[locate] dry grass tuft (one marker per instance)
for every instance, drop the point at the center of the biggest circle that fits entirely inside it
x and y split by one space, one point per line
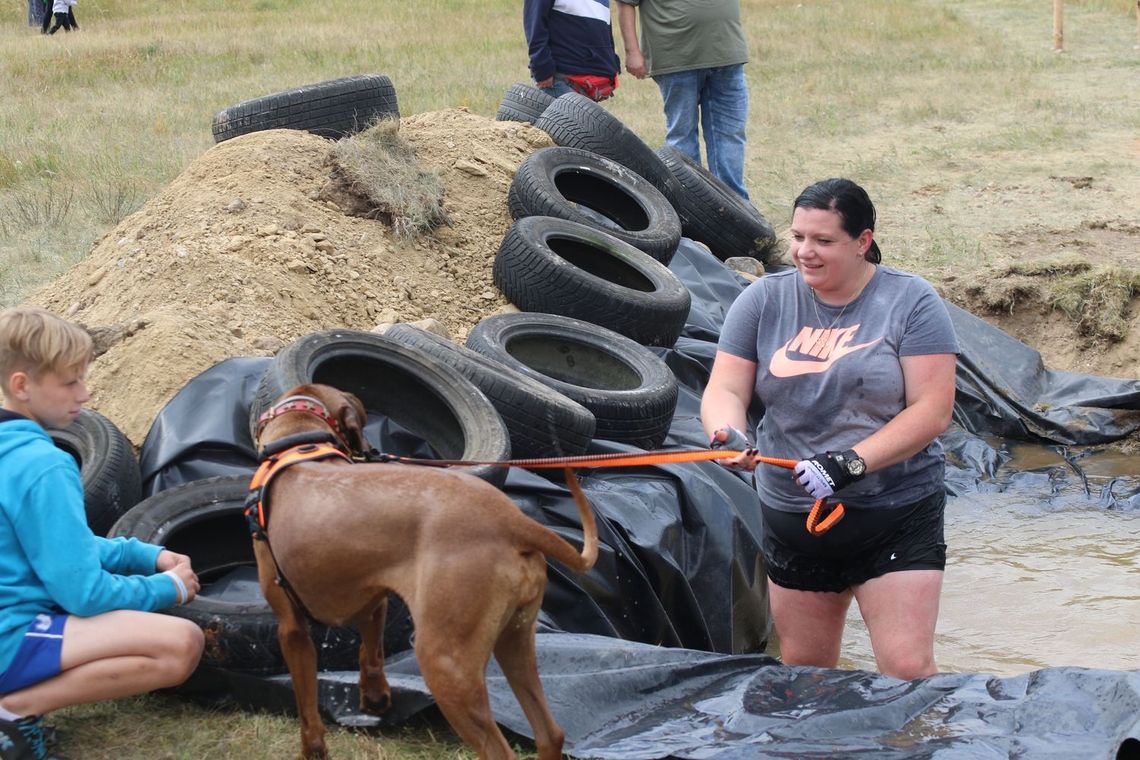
1098 300
380 167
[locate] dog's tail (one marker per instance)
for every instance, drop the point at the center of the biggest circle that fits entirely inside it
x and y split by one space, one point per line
564 552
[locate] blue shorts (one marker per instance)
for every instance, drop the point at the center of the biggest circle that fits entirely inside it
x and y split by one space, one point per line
37 659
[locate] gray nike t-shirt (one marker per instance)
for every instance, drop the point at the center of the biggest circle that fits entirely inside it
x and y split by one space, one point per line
827 380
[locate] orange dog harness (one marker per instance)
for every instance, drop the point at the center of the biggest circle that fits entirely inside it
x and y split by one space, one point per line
257 502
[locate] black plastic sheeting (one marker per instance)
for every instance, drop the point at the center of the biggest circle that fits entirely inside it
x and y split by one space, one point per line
680 568
625 701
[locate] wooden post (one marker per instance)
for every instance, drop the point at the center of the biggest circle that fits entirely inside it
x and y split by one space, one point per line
1058 26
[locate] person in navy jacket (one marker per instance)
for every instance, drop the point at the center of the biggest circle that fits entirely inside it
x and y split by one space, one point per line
571 40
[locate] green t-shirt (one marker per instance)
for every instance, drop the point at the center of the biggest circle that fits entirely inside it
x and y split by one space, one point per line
679 35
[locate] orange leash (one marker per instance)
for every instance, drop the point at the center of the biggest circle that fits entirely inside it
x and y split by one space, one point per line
819 520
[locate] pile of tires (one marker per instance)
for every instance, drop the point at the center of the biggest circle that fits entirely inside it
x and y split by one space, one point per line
598 218
430 398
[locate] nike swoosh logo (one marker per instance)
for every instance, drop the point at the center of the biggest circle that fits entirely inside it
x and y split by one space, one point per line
782 365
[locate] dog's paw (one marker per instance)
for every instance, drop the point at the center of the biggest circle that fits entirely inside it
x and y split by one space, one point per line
376 704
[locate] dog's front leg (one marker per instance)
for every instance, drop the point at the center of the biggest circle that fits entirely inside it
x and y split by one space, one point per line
299 653
375 693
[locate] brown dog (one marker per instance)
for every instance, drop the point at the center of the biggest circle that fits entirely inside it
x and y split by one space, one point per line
468 564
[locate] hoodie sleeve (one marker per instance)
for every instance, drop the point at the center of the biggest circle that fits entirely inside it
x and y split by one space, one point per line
70 560
536 15
127 556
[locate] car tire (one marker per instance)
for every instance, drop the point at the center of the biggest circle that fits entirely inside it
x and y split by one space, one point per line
556 266
427 397
575 121
711 212
541 422
575 184
333 109
524 103
631 391
108 468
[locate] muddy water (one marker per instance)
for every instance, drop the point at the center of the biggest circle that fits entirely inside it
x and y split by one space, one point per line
1036 578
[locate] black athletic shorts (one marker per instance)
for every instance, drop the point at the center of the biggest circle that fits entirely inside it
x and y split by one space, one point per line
865 544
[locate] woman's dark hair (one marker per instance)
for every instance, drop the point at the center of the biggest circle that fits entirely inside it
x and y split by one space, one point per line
851 202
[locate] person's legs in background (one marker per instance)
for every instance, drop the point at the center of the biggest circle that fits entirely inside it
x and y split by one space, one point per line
681 93
724 117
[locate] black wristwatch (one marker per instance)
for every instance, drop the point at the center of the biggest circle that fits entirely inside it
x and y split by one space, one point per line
851 463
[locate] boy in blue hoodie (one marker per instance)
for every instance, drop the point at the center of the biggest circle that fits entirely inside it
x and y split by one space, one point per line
76 610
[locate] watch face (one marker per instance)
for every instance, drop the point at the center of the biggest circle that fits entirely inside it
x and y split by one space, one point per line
856 466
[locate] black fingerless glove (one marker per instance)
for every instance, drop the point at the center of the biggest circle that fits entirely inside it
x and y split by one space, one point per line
734 440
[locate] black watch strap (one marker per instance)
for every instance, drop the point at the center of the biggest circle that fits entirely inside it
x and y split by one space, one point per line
851 463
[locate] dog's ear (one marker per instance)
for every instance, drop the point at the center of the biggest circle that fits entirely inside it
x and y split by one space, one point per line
352 416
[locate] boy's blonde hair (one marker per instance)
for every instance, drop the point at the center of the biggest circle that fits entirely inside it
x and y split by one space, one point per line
36 341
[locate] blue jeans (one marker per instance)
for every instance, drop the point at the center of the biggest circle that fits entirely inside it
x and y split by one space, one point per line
720 97
558 88
36 11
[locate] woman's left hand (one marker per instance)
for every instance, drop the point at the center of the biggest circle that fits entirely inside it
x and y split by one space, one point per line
821 475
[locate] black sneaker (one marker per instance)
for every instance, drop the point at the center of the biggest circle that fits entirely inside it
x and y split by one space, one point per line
13 745
32 728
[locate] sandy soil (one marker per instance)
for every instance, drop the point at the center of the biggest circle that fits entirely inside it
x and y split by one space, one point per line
245 252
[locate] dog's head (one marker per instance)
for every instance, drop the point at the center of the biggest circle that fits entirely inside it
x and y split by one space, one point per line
343 414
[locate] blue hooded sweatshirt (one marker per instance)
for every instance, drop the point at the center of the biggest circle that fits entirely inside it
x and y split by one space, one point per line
50 561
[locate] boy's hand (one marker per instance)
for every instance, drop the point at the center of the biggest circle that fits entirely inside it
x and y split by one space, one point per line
168 560
178 567
185 582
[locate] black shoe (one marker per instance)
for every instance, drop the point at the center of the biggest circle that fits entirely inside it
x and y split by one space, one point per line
13 744
37 736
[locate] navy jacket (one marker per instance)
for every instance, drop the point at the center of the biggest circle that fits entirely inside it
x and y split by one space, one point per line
569 37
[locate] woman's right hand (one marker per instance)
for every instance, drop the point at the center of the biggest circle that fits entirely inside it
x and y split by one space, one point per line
730 438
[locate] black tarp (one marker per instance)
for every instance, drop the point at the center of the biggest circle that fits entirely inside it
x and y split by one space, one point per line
679 567
623 700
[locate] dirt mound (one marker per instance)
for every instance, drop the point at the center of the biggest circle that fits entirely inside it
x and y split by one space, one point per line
243 253
1072 293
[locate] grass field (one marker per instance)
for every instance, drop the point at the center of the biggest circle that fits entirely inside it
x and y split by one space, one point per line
958 117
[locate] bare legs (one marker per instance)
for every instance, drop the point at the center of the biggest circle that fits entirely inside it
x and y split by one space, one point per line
114 655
